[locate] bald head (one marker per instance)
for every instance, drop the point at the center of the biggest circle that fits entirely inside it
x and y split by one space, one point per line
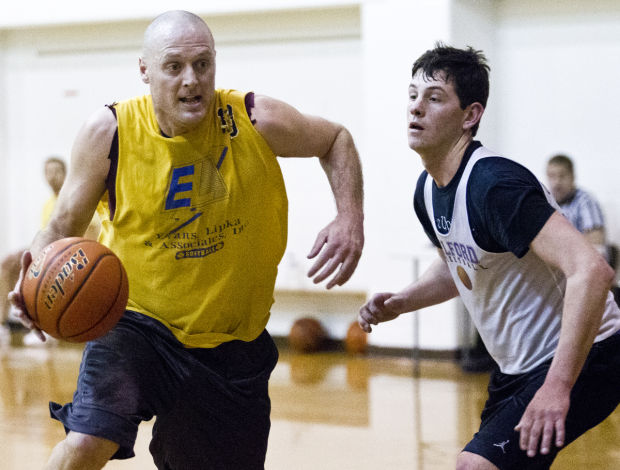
178 64
166 25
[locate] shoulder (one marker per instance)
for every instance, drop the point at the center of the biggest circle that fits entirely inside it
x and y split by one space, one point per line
498 169
94 140
270 113
141 103
101 124
290 133
491 175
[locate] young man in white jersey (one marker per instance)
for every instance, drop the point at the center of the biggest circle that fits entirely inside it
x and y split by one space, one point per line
194 202
537 290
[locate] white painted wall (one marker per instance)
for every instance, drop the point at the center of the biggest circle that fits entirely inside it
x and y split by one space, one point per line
3 148
393 37
54 79
554 87
28 13
557 87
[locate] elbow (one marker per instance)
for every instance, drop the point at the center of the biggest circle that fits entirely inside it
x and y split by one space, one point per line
611 275
602 273
338 139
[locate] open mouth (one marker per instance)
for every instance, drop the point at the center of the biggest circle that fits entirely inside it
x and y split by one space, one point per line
417 127
191 99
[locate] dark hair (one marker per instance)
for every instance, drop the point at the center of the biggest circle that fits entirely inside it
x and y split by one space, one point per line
467 69
562 160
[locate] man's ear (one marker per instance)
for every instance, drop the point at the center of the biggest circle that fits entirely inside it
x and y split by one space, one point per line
473 114
144 74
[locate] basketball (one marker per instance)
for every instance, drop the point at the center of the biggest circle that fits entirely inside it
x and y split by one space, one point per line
76 290
356 340
307 335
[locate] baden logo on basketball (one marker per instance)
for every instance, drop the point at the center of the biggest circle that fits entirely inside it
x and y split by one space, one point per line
77 290
77 260
464 277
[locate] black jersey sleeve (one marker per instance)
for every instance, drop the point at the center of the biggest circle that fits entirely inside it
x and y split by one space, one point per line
420 210
507 206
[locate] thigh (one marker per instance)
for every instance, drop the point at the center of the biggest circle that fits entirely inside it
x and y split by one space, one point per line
220 419
210 429
596 393
595 396
496 440
123 380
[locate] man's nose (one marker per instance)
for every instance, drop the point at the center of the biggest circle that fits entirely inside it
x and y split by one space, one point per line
415 107
189 76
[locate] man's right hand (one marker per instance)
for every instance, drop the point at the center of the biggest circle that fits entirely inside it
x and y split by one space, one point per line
18 307
381 307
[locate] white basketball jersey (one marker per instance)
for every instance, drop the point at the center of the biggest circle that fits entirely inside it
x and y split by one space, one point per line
515 303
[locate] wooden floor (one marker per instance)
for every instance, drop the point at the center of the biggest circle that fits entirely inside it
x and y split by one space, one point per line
330 411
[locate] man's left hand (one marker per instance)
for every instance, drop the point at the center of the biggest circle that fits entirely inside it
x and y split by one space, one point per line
338 247
543 419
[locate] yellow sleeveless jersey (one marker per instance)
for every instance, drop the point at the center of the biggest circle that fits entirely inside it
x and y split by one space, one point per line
199 221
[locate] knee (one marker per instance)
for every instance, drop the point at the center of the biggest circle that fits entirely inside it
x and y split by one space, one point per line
471 461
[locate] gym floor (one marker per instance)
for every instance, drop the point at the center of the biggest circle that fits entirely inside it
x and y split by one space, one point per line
331 410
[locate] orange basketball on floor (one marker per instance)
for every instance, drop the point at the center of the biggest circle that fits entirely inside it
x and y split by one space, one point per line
307 335
76 289
356 341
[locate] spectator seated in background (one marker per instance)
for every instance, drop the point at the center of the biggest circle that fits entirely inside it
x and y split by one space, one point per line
580 207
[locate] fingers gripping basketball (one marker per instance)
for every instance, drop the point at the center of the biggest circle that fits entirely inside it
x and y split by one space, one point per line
76 289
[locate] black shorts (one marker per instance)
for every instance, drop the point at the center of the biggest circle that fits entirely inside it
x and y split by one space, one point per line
595 396
211 405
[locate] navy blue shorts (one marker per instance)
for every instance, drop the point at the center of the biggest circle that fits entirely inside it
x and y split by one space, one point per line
595 396
211 405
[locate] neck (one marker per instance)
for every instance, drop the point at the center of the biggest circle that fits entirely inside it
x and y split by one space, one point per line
443 163
172 129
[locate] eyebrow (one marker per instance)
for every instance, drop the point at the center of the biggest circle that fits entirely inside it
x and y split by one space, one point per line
431 88
173 55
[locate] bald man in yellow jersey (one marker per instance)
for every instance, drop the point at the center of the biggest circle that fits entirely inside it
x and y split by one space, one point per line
192 199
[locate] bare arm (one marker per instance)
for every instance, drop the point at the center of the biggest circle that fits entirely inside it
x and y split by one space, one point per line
78 198
588 279
290 133
434 286
85 183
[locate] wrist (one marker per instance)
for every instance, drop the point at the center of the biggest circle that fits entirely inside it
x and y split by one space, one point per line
559 383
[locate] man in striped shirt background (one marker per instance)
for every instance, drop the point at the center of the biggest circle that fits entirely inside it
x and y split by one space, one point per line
580 207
